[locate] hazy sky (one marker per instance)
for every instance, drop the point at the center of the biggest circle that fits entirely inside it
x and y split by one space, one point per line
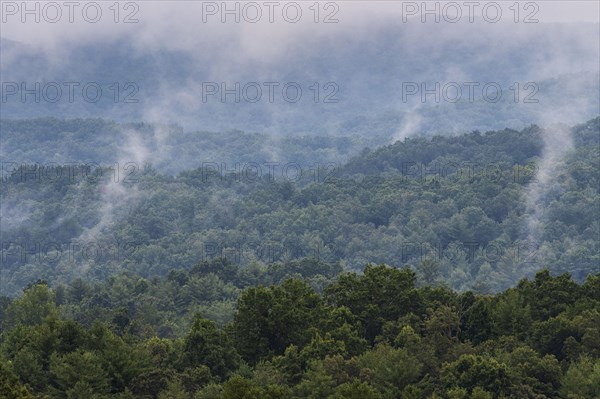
287 34
174 20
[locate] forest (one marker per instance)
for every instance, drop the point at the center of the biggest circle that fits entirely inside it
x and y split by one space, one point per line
376 334
419 269
300 199
467 206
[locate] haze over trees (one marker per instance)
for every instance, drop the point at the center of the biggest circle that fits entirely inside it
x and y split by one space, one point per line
213 283
328 200
455 209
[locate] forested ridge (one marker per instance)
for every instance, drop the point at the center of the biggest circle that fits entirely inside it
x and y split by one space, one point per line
464 203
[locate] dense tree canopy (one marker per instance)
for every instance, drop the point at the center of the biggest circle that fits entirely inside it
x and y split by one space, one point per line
370 335
422 269
461 211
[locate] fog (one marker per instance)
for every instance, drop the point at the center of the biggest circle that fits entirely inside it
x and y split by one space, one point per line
352 60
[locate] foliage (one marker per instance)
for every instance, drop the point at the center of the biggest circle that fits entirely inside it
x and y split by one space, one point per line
370 335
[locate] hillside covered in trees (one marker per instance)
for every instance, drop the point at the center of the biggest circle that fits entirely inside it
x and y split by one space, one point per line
127 281
462 211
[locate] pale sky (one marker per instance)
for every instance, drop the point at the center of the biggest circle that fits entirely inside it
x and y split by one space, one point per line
162 18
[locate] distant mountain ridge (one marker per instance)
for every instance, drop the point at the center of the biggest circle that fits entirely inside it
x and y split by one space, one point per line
369 75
